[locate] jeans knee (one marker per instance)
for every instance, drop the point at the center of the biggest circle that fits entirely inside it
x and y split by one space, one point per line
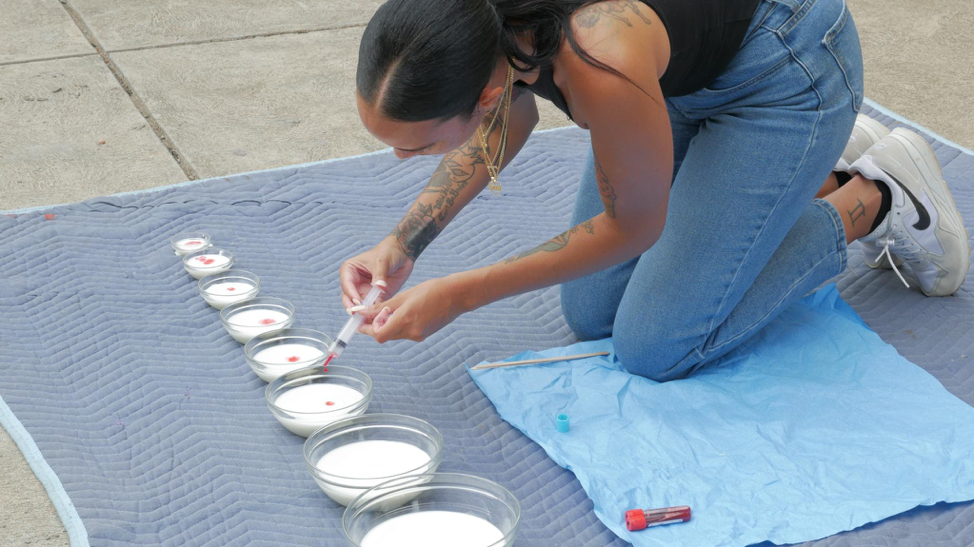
653 351
582 313
638 358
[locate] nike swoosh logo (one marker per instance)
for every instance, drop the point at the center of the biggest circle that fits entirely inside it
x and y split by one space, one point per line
924 221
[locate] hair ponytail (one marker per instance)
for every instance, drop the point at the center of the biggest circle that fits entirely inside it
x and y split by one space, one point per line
430 59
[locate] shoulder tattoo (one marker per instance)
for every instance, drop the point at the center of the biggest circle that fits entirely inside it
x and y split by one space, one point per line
618 10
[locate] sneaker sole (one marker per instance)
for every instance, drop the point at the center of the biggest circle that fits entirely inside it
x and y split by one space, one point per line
936 186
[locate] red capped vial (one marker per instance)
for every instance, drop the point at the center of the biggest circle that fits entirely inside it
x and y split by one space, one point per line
640 519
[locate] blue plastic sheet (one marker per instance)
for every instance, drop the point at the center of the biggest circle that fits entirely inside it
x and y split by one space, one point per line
813 427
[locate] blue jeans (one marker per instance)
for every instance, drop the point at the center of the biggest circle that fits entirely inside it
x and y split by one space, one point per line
744 235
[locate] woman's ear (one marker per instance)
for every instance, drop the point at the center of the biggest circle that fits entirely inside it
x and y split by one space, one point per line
489 97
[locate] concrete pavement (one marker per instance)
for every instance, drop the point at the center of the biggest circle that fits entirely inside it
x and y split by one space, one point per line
101 96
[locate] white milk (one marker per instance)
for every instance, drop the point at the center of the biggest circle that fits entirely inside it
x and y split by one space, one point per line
190 245
283 358
221 295
366 464
316 405
201 266
247 324
433 529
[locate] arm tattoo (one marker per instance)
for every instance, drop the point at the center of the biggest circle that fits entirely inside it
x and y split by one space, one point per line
452 176
588 16
558 243
416 230
859 211
605 189
457 168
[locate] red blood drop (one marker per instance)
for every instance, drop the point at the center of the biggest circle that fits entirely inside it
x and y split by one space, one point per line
209 261
293 359
267 321
49 216
201 258
231 289
330 403
194 243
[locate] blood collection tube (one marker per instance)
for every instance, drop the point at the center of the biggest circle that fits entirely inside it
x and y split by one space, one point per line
640 519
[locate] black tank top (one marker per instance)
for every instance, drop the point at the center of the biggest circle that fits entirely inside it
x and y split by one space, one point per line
704 36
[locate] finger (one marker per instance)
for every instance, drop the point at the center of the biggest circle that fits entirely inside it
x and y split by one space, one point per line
363 289
393 303
384 295
386 327
379 320
366 328
376 306
350 275
380 272
382 318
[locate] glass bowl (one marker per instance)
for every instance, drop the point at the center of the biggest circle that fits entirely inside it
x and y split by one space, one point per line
252 318
279 352
353 455
200 264
308 399
189 242
230 287
433 510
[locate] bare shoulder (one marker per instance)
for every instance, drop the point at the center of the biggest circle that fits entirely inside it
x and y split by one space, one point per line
621 33
623 55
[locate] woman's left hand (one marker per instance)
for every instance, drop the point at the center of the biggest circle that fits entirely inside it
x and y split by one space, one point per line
417 313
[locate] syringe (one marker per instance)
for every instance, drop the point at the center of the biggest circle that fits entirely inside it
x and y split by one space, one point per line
351 327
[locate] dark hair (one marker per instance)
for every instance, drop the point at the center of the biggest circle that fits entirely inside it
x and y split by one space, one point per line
430 59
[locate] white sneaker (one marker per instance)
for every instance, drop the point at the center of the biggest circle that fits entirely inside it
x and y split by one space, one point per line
923 226
866 133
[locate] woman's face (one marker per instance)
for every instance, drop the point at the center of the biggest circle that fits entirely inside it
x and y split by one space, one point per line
431 137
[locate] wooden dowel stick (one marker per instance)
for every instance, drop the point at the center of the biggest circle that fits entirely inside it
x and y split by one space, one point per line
539 361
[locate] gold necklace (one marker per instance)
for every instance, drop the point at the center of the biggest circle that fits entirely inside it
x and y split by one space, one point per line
495 164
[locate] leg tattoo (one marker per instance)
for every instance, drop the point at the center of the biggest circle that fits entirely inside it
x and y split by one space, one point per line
857 213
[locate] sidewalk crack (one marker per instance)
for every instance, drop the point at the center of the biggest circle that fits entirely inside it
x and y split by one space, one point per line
137 101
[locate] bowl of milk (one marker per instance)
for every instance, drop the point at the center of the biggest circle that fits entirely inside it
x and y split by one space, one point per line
307 399
210 261
434 510
256 317
222 290
283 351
190 242
351 456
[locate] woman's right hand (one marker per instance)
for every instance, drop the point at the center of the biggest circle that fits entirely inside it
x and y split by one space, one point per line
384 263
